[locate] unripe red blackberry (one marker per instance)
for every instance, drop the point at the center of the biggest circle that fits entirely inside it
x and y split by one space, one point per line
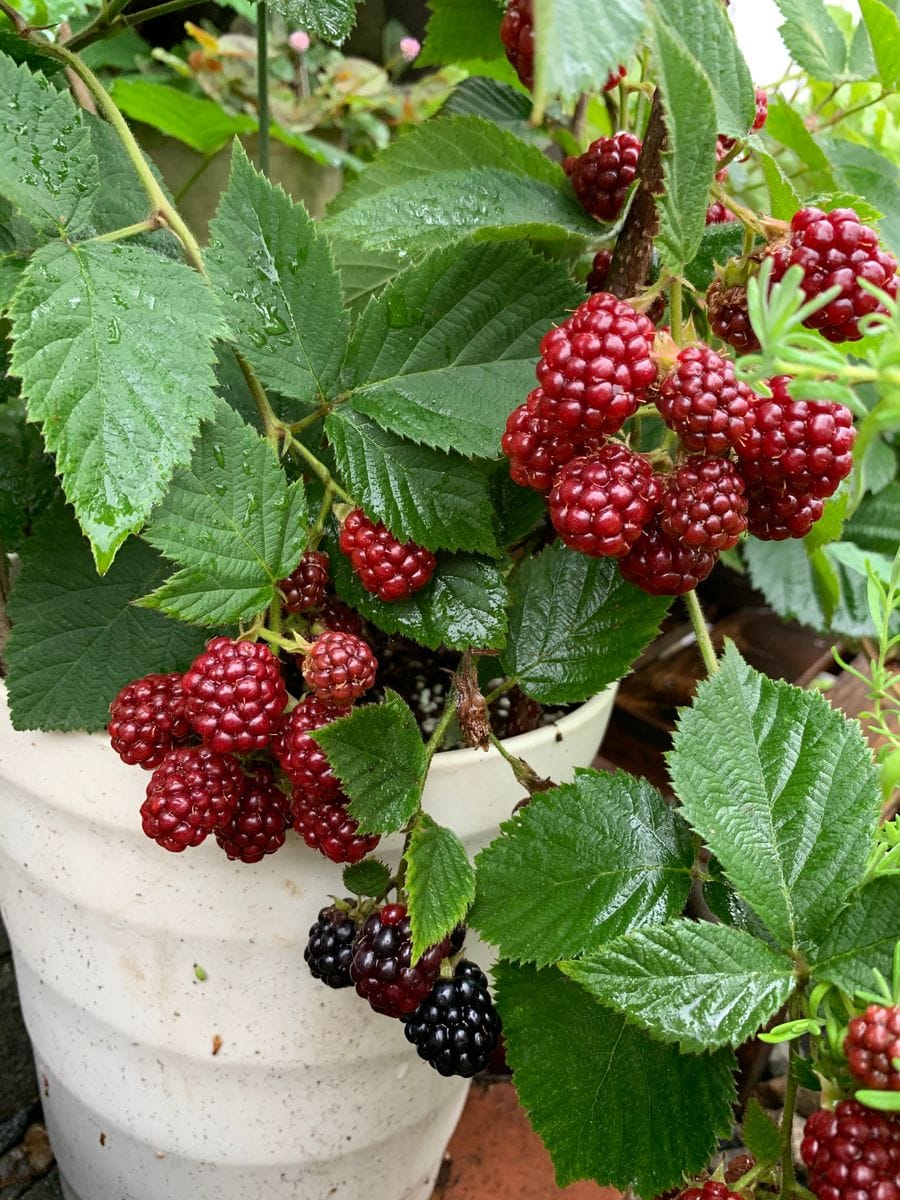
615 78
700 398
872 1046
804 444
329 828
836 249
190 793
775 514
147 720
596 279
852 1153
305 586
662 567
718 214
602 175
517 36
711 1189
257 825
601 503
703 505
329 951
234 695
595 367
762 110
302 758
385 566
536 452
729 317
382 970
456 1029
334 614
339 668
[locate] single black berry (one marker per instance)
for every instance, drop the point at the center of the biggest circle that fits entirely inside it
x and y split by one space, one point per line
457 1028
329 951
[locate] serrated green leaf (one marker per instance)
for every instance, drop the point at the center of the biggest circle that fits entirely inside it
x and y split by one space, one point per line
863 170
367 878
448 349
690 156
460 31
440 883
113 345
579 866
704 29
783 198
281 291
31 53
196 121
813 38
783 790
517 510
785 123
17 240
861 939
760 1134
828 201
231 522
27 482
861 61
575 625
884 34
378 755
453 177
610 1103
77 638
438 500
364 270
119 53
476 96
464 605
693 983
876 523
122 201
328 19
577 45
47 165
718 244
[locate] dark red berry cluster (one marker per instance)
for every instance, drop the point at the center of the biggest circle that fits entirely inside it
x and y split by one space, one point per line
602 175
852 1153
226 749
385 566
442 999
872 1047
744 461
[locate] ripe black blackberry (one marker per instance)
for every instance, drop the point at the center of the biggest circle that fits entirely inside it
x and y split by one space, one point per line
457 1028
329 951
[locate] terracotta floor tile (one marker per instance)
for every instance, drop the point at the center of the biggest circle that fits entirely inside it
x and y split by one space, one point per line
495 1155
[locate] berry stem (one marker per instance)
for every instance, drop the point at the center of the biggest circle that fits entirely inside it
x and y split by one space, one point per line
523 771
701 632
320 471
676 319
501 689
437 737
634 246
264 408
788 1182
127 231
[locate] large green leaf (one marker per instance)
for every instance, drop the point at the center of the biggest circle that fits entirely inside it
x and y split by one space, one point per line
448 349
329 19
577 45
506 106
77 638
876 523
704 29
364 270
785 123
691 982
783 790
575 625
27 482
438 500
113 345
463 605
864 171
813 38
440 882
609 1102
378 754
47 164
232 523
690 156
581 865
199 123
122 200
861 939
783 198
453 177
281 291
462 31
17 239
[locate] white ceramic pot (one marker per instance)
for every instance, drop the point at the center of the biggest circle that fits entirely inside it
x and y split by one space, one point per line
311 1095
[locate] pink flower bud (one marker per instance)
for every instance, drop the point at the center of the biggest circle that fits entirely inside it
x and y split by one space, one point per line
299 41
410 47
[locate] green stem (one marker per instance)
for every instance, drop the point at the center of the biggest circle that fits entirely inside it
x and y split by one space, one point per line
262 82
320 471
848 112
506 686
787 1118
675 311
305 422
161 203
435 741
704 641
264 408
109 22
127 231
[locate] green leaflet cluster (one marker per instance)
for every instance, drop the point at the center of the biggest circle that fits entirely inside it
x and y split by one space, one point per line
609 996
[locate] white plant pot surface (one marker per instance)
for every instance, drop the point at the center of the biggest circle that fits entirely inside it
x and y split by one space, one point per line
311 1095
